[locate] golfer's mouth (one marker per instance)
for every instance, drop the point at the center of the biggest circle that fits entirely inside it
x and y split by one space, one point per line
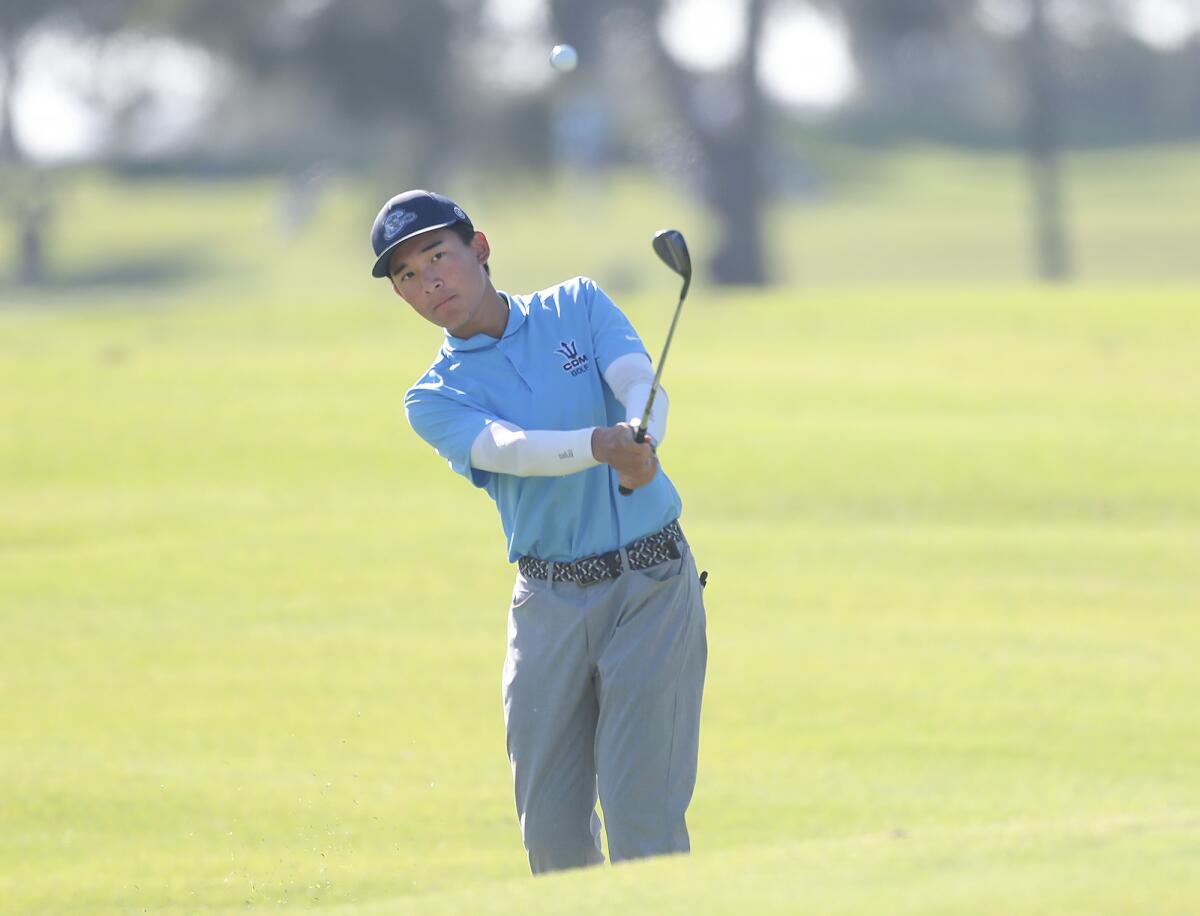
443 302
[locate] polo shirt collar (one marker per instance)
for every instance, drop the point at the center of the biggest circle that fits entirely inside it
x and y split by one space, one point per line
517 312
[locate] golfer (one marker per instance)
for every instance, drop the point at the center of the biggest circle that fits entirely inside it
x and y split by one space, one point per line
533 398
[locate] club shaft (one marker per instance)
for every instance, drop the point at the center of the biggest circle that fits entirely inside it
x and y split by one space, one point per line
662 361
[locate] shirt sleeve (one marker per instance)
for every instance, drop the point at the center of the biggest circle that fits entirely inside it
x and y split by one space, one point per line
508 449
450 426
631 377
612 334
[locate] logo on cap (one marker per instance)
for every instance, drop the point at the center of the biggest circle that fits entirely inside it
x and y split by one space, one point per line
394 223
458 211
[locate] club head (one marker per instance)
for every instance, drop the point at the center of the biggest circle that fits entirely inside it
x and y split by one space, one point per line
673 251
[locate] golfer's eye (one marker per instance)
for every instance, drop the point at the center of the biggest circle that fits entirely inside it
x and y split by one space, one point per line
406 276
437 256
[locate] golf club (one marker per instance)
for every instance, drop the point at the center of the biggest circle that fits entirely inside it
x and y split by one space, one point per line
672 250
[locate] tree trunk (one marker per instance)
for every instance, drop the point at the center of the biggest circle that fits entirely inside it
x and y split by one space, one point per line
729 136
735 181
8 73
31 256
29 200
1053 258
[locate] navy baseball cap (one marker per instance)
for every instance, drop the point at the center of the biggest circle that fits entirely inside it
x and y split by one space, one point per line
409 214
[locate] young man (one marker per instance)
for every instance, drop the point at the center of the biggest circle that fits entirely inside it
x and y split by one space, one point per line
534 398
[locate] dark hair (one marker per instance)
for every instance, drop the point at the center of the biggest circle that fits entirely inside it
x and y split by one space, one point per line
466 232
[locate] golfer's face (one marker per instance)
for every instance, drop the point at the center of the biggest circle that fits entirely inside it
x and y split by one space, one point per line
441 277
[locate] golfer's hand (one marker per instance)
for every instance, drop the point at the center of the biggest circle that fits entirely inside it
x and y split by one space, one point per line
635 463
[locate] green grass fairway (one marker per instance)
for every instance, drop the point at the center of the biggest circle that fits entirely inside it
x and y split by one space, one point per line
251 629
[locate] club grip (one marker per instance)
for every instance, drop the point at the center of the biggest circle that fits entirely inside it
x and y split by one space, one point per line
639 437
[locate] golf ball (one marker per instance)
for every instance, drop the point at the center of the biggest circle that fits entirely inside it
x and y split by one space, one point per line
563 58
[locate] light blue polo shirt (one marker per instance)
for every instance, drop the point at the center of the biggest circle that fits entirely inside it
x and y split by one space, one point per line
544 373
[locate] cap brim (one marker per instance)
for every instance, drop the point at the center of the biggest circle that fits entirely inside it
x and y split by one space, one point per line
381 263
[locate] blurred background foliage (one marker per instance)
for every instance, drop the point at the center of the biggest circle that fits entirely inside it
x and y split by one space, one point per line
456 94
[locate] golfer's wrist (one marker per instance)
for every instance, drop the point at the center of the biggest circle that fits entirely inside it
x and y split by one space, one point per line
600 444
606 442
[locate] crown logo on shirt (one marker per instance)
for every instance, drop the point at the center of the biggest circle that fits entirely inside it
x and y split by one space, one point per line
576 363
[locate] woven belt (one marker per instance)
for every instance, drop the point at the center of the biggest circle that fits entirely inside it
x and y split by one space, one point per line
649 551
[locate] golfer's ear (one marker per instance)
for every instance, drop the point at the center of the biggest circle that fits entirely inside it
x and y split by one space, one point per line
481 247
396 289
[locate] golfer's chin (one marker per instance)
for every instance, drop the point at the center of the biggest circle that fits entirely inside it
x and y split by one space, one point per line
449 317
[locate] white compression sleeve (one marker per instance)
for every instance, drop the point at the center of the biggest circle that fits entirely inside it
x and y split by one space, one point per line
508 449
630 377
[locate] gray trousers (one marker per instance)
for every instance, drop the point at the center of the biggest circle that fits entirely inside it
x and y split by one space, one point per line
602 687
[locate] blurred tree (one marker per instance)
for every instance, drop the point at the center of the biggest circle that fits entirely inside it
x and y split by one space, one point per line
914 58
345 71
924 68
1043 141
25 186
17 19
27 208
910 57
22 19
1115 87
381 81
732 147
908 52
724 115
